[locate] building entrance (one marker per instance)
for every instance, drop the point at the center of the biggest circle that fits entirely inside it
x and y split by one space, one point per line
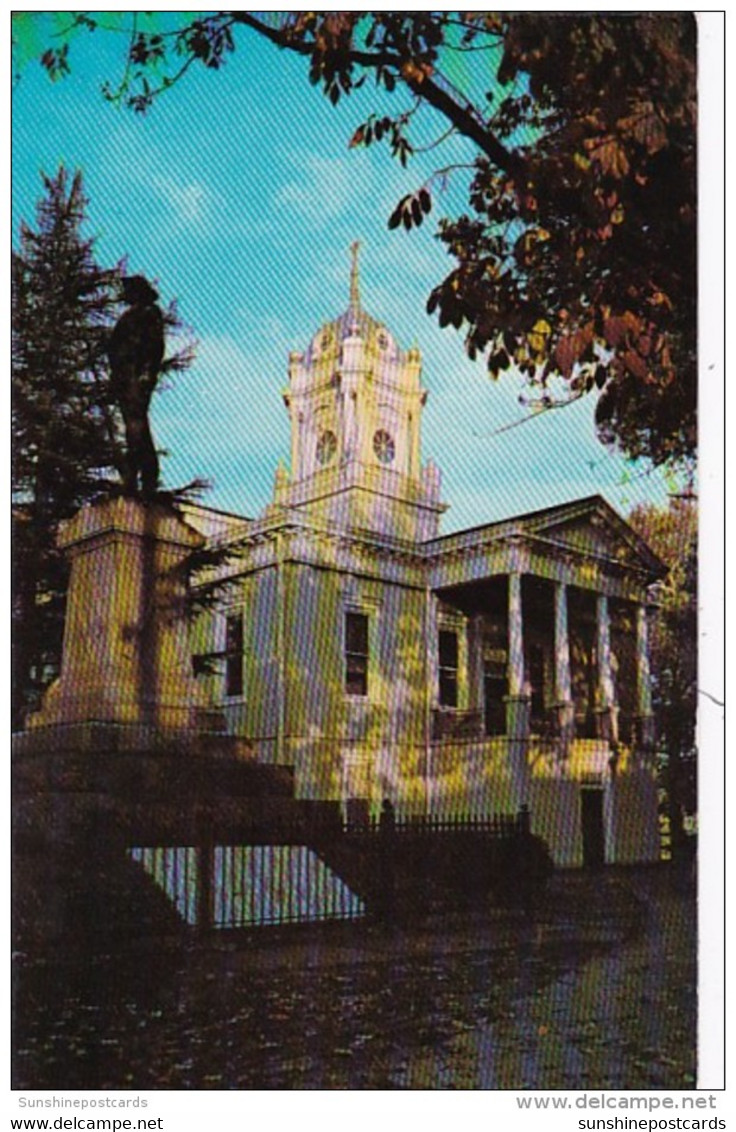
594 845
495 690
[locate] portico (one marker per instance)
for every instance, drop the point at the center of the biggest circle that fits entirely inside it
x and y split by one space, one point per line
550 644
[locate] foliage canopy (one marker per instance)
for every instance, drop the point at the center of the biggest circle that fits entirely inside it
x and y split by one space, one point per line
575 260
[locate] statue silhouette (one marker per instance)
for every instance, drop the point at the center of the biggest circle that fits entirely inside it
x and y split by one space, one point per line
136 350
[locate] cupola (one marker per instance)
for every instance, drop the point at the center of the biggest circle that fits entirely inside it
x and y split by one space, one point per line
355 400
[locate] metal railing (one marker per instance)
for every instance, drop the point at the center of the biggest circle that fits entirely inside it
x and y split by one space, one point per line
238 886
411 825
276 880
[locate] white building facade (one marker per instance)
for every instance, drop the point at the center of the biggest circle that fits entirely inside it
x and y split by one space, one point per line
473 673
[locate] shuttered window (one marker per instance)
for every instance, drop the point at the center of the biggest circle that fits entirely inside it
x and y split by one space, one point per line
356 654
448 667
234 655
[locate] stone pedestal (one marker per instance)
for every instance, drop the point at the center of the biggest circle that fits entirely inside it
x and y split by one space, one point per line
126 662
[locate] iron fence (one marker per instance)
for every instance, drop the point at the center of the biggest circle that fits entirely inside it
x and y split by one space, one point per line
277 884
494 825
237 886
281 875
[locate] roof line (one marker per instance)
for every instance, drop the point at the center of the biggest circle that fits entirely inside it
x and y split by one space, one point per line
218 510
586 499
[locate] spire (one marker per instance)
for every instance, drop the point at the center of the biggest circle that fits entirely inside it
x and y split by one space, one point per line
354 276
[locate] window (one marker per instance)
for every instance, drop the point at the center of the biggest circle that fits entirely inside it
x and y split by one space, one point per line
448 668
356 654
326 447
384 447
234 655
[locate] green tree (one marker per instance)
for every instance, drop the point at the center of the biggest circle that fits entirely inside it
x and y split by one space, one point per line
65 440
672 534
576 258
67 428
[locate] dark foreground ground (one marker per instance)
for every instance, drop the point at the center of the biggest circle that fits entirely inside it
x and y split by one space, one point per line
596 988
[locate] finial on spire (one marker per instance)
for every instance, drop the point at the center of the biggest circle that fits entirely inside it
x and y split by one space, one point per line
354 275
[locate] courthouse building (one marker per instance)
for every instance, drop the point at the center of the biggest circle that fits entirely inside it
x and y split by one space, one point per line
455 674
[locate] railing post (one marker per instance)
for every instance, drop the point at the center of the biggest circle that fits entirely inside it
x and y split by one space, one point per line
205 893
387 849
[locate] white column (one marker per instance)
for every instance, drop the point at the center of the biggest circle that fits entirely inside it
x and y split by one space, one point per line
475 663
518 702
605 673
563 682
516 638
563 686
644 682
643 672
606 689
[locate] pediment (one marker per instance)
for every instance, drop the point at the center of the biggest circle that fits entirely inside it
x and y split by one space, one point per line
592 539
596 529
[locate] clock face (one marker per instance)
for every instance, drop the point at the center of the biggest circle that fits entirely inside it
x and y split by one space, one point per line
383 446
326 447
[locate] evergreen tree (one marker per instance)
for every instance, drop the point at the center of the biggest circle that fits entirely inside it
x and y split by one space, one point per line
66 440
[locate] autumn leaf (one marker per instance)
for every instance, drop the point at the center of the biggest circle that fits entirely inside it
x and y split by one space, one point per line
539 337
610 155
616 328
635 364
412 72
646 127
570 349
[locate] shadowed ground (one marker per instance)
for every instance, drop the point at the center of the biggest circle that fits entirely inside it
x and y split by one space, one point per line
596 988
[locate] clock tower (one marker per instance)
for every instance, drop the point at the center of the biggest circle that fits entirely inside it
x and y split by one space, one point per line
355 400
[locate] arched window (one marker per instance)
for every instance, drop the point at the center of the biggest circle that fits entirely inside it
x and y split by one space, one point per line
384 447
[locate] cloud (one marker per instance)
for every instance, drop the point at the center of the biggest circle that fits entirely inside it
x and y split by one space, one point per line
189 201
224 421
323 188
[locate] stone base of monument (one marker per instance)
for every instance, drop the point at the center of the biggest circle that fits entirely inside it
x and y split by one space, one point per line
97 737
126 753
126 680
78 822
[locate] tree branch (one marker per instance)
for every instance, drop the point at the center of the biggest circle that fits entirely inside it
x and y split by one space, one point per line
464 120
533 416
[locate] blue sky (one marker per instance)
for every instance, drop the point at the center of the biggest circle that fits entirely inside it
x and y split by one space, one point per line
239 195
